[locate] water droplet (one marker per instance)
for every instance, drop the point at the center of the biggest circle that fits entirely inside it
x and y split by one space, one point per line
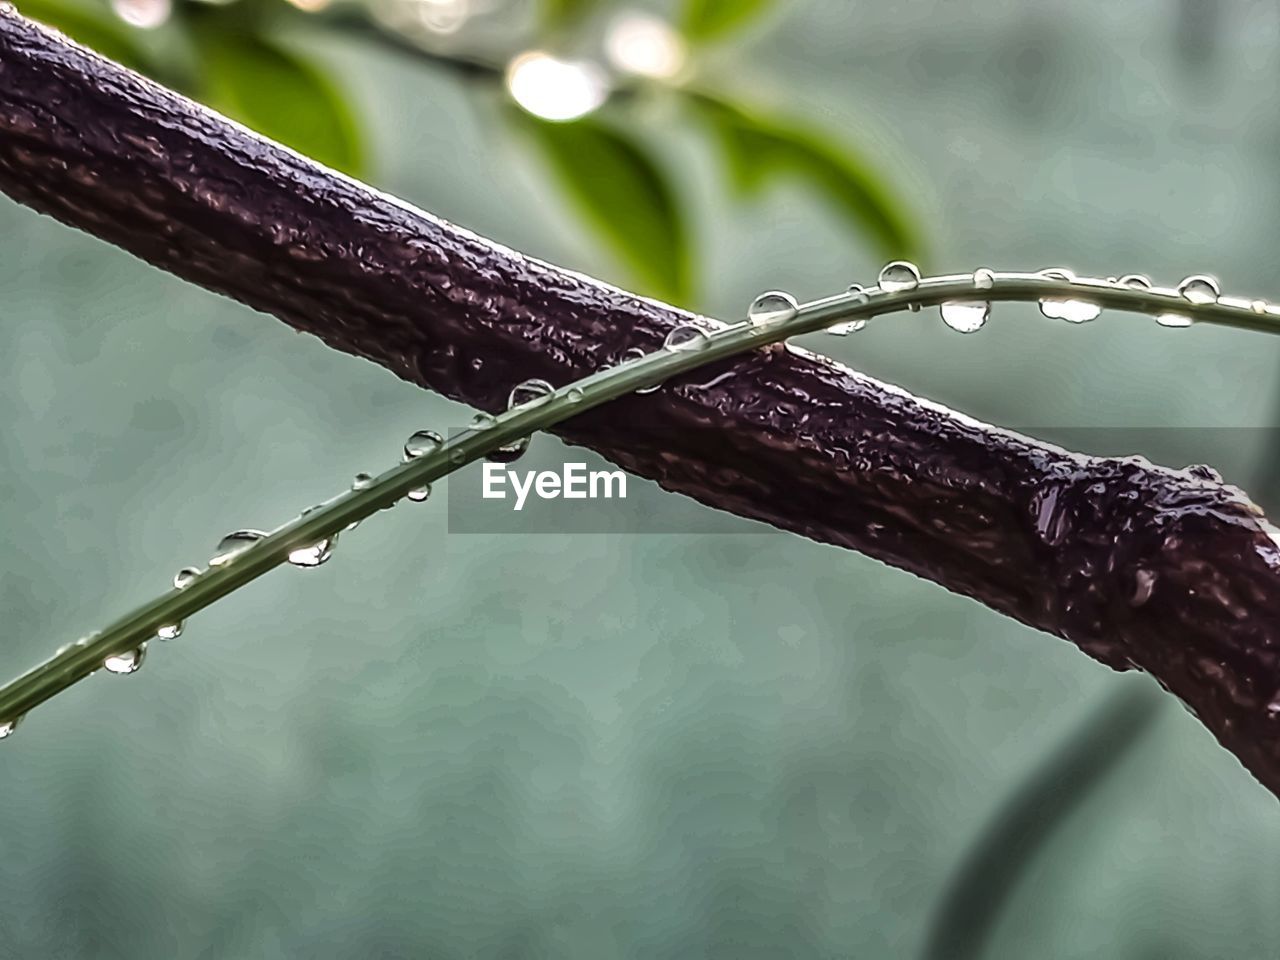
1173 320
184 577
125 663
170 631
686 338
8 726
984 279
234 544
313 554
457 455
1199 289
846 327
574 395
965 316
531 393
419 494
483 421
1057 273
1135 281
1258 306
362 481
418 445
508 452
899 275
1073 311
772 307
637 353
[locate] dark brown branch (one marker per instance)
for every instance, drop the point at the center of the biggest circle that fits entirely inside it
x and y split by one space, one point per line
1136 565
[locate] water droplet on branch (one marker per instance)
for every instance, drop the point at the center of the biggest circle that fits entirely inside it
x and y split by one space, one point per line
125 663
1135 281
1073 311
234 544
772 307
1199 289
965 316
418 445
899 275
170 631
984 279
7 727
419 494
313 555
185 577
686 338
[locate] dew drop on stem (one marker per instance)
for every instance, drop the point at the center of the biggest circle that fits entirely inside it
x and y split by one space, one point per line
418 445
638 353
125 663
1199 289
234 544
686 338
419 494
1073 311
1135 281
185 577
530 393
898 276
363 481
965 316
7 727
171 631
314 554
771 308
984 278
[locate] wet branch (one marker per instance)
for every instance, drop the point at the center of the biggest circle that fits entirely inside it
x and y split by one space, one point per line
1136 565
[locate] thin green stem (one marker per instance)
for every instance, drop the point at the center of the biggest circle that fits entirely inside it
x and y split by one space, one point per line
132 631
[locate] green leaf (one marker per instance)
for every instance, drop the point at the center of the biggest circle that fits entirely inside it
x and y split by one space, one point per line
623 195
709 20
560 13
279 94
101 33
758 151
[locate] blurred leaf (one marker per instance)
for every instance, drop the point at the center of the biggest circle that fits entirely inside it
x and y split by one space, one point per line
1027 819
623 195
708 20
558 13
100 32
758 150
279 94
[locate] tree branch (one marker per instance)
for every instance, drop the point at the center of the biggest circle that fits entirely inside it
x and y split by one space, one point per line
1135 564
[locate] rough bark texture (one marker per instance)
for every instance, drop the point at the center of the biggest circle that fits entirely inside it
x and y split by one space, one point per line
1136 565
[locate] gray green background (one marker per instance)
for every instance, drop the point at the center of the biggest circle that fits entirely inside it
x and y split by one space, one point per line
738 746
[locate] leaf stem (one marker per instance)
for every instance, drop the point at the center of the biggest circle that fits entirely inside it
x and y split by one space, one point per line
83 658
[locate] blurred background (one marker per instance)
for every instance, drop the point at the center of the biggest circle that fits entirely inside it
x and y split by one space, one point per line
739 745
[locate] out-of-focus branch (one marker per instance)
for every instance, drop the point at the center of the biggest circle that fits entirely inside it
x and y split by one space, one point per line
1137 565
